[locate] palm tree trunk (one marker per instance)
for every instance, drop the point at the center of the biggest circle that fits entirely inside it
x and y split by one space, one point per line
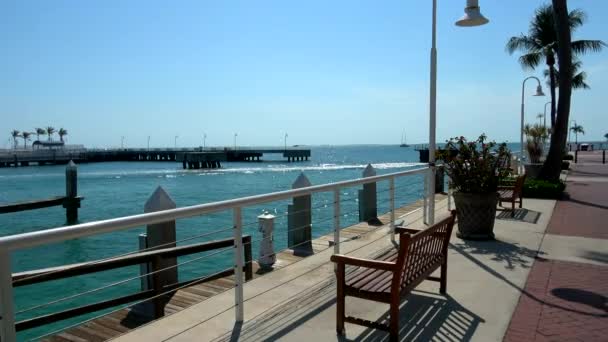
552 167
552 86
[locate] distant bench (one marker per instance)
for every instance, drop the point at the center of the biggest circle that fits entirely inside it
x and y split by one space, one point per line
395 273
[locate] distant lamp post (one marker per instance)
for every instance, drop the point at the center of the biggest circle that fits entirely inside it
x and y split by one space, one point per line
148 143
539 92
177 136
204 141
235 135
286 141
472 17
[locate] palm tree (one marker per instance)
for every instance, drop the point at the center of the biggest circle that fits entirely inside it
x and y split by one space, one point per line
49 131
606 136
540 117
62 132
39 132
15 134
26 137
579 80
576 129
541 43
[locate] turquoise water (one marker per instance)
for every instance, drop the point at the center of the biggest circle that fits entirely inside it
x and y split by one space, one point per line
122 188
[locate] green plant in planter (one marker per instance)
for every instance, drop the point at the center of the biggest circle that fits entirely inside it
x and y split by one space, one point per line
475 173
536 135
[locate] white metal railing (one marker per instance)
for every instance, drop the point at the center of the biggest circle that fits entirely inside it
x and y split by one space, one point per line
9 244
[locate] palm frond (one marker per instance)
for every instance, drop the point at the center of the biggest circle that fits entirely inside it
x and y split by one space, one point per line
584 46
577 18
578 81
530 60
523 43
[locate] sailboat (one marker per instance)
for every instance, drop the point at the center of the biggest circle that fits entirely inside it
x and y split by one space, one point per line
403 141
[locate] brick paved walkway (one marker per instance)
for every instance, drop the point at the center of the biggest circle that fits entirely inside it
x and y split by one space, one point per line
568 301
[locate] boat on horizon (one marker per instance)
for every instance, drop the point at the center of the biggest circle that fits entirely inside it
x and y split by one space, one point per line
403 140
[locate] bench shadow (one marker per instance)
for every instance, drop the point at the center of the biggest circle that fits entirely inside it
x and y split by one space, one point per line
427 317
521 215
596 256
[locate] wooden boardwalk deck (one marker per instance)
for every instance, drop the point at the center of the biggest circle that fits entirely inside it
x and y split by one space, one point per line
122 321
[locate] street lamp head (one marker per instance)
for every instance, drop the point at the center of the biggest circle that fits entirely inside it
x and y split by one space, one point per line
472 15
539 91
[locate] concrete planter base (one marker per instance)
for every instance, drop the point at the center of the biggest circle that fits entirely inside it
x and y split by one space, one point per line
533 170
476 214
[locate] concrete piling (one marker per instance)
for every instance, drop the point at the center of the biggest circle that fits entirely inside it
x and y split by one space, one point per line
162 235
299 220
72 201
368 205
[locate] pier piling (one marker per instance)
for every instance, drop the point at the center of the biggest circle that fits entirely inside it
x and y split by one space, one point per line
299 220
71 203
368 206
161 234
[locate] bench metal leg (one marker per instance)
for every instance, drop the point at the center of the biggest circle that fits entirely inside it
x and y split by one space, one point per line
513 208
340 301
443 285
394 324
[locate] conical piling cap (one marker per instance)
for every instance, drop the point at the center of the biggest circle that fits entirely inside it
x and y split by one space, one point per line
160 200
301 182
369 171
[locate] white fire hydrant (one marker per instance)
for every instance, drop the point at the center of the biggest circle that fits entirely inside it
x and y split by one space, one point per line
267 257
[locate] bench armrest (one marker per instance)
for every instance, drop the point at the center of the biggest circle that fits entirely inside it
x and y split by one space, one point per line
400 230
375 264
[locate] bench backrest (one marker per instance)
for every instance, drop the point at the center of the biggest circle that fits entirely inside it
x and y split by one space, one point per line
420 254
518 187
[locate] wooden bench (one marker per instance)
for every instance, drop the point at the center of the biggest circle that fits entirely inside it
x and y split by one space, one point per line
395 273
513 193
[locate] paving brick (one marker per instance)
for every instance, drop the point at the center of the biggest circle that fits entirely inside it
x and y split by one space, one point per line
571 307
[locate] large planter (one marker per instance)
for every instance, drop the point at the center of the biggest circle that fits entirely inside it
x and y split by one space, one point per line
476 215
533 170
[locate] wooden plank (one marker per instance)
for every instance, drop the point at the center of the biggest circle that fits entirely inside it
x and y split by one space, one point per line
30 205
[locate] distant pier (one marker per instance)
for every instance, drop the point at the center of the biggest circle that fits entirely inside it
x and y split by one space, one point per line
191 158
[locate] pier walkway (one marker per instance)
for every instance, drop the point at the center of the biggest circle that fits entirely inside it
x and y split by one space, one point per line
189 156
122 321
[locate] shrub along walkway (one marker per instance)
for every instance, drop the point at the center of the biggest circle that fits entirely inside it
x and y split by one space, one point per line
565 297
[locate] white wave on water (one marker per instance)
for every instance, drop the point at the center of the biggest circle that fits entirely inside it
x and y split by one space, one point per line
172 173
321 167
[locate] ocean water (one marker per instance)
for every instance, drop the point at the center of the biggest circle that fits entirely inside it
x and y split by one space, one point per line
121 188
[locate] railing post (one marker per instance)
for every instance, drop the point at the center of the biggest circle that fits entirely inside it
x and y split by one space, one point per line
336 221
449 195
7 310
425 198
391 187
238 263
603 156
145 267
576 155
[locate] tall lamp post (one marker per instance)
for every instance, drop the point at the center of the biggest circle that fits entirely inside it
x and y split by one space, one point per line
204 141
285 141
539 92
472 17
176 140
545 119
148 143
235 135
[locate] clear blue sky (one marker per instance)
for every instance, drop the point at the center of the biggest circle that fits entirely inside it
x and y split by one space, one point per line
325 72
